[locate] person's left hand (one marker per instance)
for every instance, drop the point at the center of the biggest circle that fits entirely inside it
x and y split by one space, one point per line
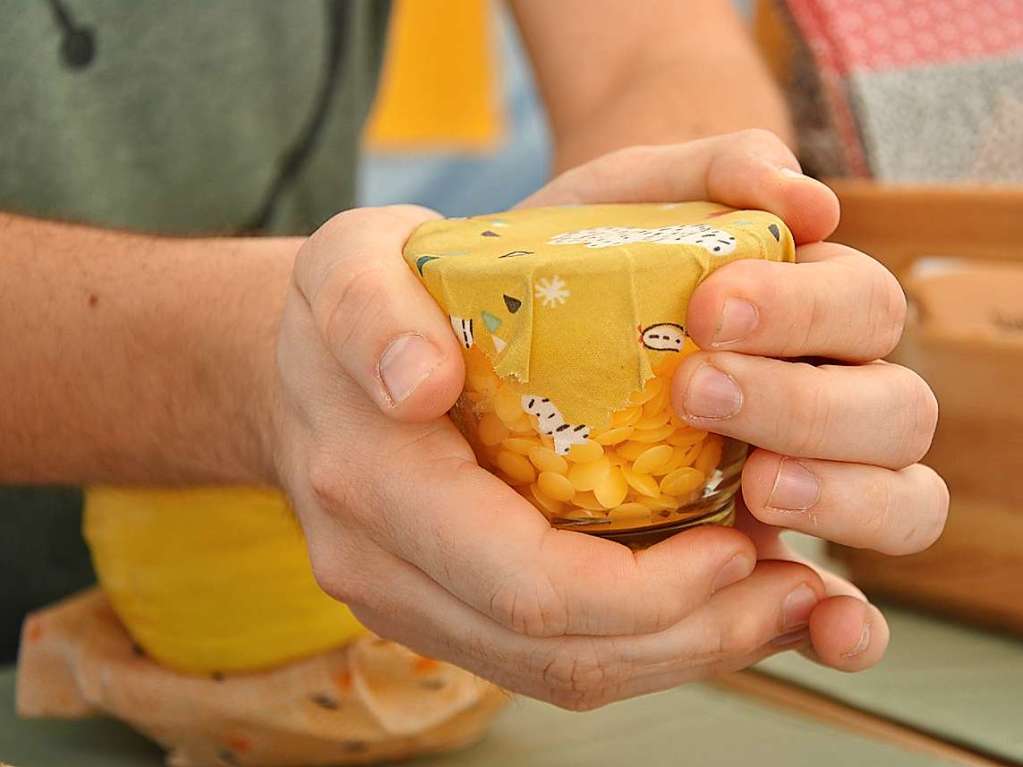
838 443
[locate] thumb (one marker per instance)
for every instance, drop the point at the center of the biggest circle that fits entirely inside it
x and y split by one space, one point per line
376 318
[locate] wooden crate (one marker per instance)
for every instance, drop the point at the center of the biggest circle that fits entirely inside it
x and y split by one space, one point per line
965 336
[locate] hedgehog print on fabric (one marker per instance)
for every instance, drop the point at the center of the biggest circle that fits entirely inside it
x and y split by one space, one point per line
711 239
664 337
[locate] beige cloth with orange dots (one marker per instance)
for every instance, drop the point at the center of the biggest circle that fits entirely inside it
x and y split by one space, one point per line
579 304
368 701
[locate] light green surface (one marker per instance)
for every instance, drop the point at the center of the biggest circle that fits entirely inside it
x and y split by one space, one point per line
958 682
695 725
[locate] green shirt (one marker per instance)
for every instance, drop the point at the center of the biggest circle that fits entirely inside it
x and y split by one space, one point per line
178 117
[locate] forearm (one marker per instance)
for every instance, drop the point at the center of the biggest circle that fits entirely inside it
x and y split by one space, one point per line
128 358
615 73
690 99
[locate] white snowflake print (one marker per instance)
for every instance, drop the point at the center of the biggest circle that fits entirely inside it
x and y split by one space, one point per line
553 291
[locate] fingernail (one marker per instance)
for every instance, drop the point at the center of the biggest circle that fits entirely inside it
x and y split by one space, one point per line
795 610
406 363
792 637
861 645
792 173
795 487
737 568
738 320
712 394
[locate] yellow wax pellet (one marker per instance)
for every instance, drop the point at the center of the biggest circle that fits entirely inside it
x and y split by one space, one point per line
491 431
507 405
586 476
491 451
659 502
549 506
655 421
545 459
630 451
627 417
650 390
613 436
658 402
612 489
643 484
555 486
666 368
521 425
710 455
520 445
652 435
682 481
685 437
630 512
585 452
483 382
517 468
680 456
588 501
651 458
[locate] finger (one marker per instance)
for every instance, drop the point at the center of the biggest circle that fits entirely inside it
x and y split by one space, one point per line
868 507
836 302
378 321
742 624
848 634
749 169
876 414
481 541
768 612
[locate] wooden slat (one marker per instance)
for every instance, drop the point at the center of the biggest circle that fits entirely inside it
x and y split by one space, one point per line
776 692
901 223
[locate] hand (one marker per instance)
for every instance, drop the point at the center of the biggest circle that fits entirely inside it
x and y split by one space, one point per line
838 444
434 552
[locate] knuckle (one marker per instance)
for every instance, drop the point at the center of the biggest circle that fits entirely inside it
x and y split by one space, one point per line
938 512
922 416
888 308
738 637
327 481
879 505
532 608
578 678
338 576
758 140
813 421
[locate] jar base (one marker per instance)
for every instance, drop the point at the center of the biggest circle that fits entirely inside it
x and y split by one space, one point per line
648 536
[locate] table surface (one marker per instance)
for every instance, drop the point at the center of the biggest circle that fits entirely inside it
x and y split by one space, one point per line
691 725
957 682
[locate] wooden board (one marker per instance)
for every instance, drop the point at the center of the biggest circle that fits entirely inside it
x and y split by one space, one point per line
965 337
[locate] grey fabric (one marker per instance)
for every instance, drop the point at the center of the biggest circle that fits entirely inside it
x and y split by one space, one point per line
185 114
957 122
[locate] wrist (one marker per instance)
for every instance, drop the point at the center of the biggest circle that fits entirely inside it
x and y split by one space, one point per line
252 389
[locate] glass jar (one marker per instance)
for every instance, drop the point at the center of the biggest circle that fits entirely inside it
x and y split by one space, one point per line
643 477
570 320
